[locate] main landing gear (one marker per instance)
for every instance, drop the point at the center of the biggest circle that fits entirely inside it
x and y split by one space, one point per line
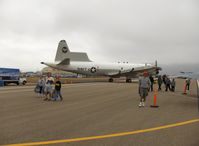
110 80
128 80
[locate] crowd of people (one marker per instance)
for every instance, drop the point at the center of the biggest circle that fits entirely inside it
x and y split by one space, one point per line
49 88
146 83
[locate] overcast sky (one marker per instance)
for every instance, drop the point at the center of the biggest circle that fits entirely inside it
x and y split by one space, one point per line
136 31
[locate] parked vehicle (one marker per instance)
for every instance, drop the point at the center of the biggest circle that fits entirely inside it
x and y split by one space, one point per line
11 75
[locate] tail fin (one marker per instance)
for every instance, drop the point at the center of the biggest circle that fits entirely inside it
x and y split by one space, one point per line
63 53
62 50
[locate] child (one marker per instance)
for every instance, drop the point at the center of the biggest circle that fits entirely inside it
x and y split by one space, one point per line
57 90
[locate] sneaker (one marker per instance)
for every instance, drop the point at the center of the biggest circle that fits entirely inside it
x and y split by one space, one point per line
140 104
143 104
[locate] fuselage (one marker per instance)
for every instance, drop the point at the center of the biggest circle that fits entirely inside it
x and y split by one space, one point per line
79 62
96 69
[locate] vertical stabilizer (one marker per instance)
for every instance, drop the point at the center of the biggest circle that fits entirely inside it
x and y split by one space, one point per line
62 51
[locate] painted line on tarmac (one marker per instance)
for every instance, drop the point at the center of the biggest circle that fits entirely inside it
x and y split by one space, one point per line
105 136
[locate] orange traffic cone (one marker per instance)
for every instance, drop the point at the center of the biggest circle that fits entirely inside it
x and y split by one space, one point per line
155 100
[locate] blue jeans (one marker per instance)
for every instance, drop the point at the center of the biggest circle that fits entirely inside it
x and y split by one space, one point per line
58 94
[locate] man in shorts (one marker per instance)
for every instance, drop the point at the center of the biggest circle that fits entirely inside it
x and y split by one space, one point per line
144 85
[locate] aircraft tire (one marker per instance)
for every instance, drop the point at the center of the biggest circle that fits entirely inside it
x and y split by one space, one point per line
110 80
128 81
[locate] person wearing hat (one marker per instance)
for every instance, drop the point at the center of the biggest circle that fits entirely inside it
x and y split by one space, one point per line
144 85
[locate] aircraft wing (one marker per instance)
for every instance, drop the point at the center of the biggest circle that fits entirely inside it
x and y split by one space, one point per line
135 72
150 69
120 73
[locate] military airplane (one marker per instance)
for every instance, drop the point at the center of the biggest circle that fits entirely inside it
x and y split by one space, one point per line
78 62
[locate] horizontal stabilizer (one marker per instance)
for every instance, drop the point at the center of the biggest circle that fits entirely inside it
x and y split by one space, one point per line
65 62
78 56
118 73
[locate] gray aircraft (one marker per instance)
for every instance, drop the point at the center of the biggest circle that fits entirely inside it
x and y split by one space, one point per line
78 62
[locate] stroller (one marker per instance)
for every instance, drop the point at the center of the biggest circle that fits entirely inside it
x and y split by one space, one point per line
54 95
37 88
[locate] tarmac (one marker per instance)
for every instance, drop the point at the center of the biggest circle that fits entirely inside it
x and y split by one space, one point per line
99 114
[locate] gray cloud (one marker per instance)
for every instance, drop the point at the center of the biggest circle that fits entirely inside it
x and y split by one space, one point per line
109 30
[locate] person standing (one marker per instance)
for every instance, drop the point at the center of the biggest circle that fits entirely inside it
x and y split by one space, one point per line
188 82
164 80
144 85
48 87
152 81
168 83
159 82
58 89
39 86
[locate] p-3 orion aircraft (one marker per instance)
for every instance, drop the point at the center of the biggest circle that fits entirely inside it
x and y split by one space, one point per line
78 62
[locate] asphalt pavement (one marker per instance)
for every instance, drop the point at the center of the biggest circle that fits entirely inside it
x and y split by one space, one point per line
99 114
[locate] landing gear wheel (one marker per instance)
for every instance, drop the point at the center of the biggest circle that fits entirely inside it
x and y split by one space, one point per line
110 80
128 80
